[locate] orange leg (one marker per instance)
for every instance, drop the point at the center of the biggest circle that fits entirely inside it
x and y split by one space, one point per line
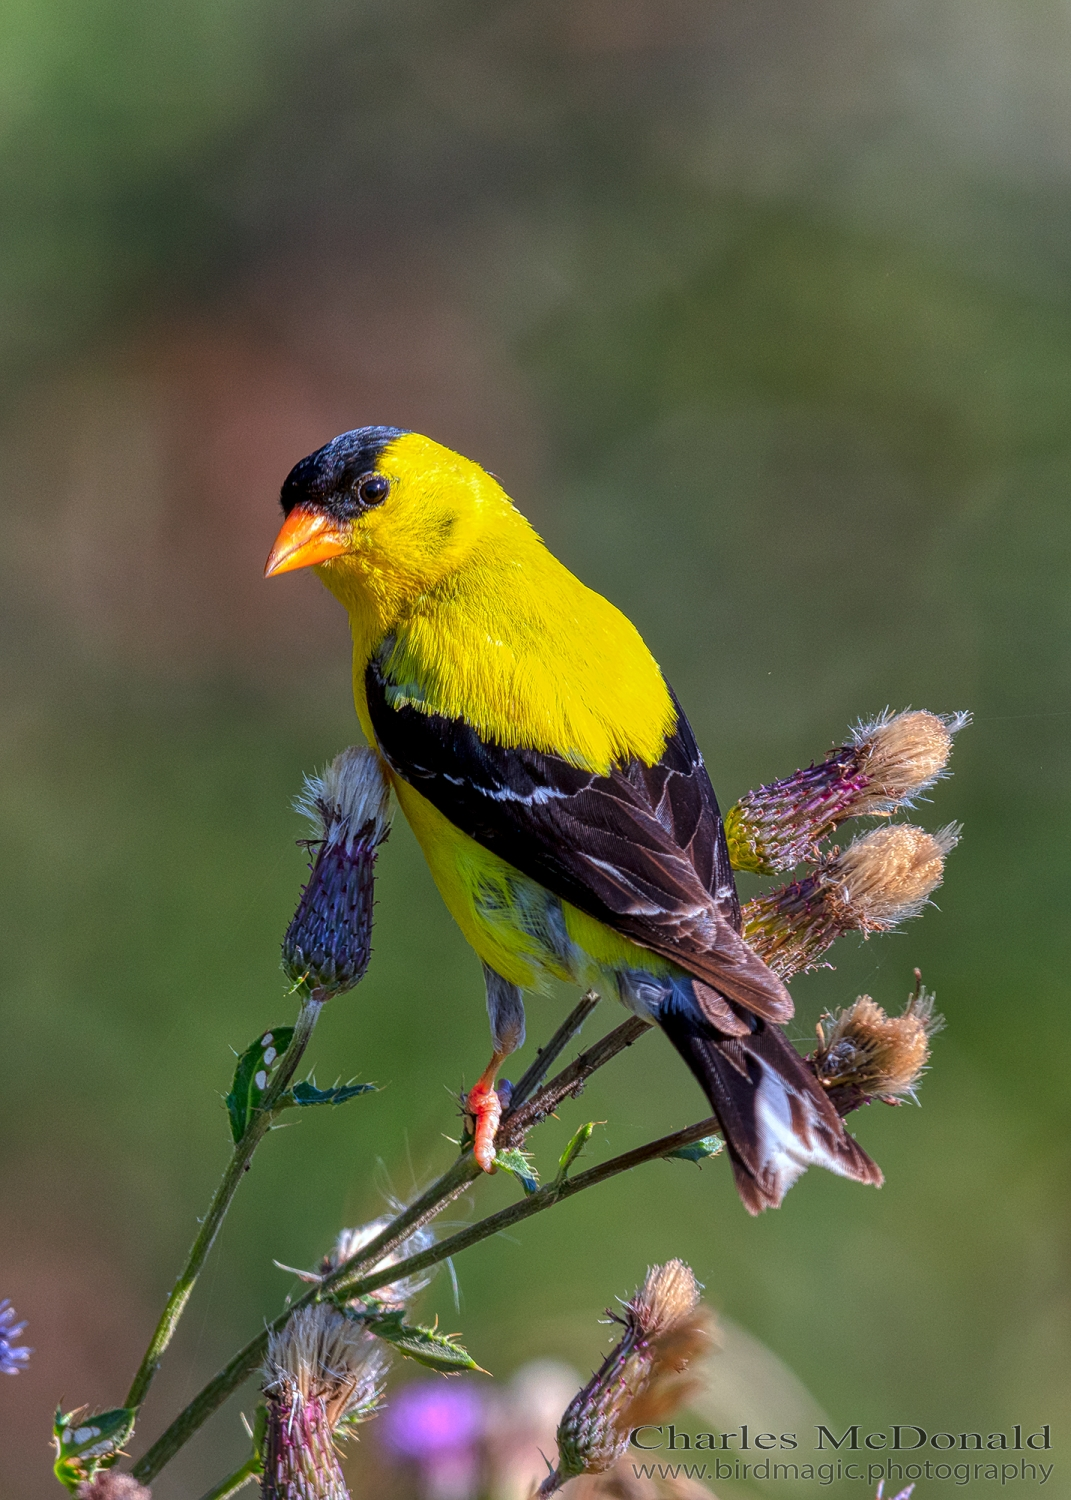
505 1010
485 1107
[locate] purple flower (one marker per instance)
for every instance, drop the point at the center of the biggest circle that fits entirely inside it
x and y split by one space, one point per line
12 1356
428 1419
439 1428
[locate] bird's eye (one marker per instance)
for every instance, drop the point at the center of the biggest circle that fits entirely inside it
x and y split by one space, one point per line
371 489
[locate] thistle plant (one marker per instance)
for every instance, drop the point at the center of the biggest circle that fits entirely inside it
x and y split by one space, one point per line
869 1055
642 1378
324 1374
329 942
877 883
885 766
324 1359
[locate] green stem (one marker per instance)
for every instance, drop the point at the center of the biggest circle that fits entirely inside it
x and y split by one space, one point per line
234 1482
517 1121
459 1176
342 1280
569 1082
258 1124
530 1080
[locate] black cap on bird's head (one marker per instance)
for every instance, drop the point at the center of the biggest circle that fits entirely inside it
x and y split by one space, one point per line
324 491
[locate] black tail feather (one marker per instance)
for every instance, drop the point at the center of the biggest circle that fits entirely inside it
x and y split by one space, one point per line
776 1119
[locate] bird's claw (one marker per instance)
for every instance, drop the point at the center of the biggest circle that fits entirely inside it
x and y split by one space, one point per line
485 1106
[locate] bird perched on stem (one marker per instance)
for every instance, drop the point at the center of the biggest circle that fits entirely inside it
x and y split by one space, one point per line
554 785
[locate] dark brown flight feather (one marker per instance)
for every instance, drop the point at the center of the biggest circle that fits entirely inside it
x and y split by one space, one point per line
641 849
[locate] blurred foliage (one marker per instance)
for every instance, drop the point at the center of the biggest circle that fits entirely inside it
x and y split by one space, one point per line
800 359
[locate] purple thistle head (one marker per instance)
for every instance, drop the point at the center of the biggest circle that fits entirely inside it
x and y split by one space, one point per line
440 1428
12 1356
887 764
641 1380
329 942
323 1376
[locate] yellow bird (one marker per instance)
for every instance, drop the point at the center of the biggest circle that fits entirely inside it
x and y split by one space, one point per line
554 785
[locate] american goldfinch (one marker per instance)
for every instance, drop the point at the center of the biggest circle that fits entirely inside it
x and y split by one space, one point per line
553 783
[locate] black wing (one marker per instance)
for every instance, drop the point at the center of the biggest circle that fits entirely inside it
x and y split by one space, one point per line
641 849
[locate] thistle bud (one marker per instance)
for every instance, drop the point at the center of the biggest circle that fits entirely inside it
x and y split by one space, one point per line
108 1485
665 1329
328 943
879 881
869 1055
12 1356
885 765
323 1375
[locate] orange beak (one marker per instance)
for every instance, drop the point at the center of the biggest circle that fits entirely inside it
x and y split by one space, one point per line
307 537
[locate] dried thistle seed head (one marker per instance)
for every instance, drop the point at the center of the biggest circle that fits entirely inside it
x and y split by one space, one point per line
108 1485
885 765
322 1356
329 942
323 1375
349 800
887 876
902 755
879 881
665 1300
867 1054
665 1329
397 1293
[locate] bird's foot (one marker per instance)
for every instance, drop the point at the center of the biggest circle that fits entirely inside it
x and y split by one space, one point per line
484 1104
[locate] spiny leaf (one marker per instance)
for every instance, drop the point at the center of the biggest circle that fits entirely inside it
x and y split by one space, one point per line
519 1163
83 1443
438 1351
252 1074
308 1093
698 1151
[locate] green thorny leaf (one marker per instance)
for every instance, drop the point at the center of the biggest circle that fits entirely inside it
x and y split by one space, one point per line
698 1151
519 1163
252 1074
574 1148
308 1093
427 1346
85 1444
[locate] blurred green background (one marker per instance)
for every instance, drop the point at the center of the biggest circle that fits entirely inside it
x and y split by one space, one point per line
760 309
